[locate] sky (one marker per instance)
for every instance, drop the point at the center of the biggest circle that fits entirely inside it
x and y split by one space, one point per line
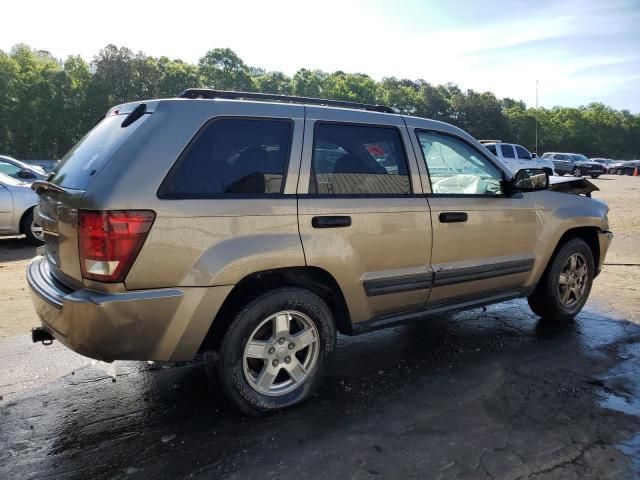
579 51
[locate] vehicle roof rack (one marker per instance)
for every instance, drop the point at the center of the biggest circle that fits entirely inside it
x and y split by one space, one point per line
490 141
226 94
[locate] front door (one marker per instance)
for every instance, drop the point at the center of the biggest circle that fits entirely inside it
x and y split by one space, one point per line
483 241
361 213
6 209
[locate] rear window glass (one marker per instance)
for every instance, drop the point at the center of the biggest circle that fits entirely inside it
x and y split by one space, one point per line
84 161
232 156
491 148
358 159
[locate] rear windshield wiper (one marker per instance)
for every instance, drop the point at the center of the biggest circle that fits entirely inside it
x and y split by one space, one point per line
137 112
40 186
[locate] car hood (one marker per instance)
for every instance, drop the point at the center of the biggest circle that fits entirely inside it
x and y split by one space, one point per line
575 185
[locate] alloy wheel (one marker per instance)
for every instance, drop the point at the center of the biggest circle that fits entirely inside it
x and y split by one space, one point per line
573 280
281 353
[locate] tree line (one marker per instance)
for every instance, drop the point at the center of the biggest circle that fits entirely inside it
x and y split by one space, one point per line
47 104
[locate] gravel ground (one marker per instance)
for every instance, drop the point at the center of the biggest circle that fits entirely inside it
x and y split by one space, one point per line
485 394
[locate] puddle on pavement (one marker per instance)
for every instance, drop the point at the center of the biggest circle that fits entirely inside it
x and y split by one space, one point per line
621 392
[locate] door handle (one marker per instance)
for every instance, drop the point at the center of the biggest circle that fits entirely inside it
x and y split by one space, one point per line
453 217
331 222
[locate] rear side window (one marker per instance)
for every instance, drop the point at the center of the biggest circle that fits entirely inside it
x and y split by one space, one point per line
232 156
507 151
356 159
85 160
522 153
491 148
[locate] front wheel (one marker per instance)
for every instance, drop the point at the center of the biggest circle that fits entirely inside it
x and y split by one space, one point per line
595 175
577 172
565 285
277 351
560 173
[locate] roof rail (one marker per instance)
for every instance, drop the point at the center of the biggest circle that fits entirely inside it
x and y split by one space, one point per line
490 141
210 94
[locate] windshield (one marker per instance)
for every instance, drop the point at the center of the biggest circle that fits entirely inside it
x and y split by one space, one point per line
579 158
89 156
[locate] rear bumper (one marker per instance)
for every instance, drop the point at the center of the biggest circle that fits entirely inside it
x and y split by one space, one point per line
159 324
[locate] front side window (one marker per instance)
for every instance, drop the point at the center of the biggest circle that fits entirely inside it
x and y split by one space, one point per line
232 156
9 169
507 151
522 153
358 159
457 168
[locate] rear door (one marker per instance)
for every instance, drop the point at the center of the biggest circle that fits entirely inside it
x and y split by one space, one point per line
509 157
361 214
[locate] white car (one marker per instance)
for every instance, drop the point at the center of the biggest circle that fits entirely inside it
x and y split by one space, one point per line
516 157
17 210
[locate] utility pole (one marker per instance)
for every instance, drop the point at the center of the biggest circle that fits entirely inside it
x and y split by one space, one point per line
536 117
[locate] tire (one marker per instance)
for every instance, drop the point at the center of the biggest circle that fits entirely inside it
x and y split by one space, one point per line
546 300
239 375
619 171
577 172
31 230
596 175
560 173
611 171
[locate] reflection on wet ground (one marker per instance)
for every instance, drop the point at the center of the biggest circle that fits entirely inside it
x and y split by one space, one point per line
483 394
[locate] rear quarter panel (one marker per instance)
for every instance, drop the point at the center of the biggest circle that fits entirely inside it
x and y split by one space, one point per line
200 242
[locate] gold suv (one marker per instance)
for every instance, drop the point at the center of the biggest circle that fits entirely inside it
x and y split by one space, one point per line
254 227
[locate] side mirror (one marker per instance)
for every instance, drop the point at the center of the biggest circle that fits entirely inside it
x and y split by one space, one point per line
529 180
534 155
26 175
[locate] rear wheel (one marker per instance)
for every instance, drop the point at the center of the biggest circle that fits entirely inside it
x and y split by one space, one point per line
32 229
277 351
565 285
595 175
577 172
612 171
561 173
619 171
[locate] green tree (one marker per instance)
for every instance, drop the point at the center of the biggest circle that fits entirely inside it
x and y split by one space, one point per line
222 69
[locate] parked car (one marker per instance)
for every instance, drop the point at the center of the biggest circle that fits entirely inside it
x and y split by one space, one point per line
627 168
20 170
17 204
612 169
516 156
253 227
575 164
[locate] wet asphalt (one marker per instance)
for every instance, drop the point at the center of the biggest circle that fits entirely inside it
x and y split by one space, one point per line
486 394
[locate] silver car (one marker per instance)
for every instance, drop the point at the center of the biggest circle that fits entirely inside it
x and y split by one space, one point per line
17 210
20 170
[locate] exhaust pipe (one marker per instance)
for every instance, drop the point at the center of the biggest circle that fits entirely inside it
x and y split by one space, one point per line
39 334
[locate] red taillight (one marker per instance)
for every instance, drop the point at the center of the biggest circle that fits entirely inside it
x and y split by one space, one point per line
109 241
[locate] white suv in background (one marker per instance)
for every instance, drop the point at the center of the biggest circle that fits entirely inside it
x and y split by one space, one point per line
517 157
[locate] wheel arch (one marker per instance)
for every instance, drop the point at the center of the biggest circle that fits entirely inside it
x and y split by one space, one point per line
588 234
21 227
314 279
